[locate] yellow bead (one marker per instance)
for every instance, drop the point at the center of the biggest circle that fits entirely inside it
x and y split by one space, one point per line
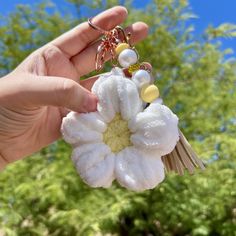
149 93
120 47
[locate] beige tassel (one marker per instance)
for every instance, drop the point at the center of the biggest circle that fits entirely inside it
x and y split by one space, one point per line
182 157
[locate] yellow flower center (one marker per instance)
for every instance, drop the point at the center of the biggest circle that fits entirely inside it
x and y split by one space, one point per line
117 134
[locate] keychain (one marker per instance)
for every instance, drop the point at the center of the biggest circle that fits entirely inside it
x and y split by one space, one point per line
133 137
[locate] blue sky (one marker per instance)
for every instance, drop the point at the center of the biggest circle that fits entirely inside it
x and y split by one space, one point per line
212 12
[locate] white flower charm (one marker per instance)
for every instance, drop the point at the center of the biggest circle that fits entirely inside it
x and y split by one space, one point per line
122 140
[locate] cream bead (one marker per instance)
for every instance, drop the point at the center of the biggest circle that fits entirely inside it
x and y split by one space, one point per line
141 78
127 58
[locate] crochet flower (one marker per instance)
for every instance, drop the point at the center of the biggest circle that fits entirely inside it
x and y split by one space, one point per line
122 140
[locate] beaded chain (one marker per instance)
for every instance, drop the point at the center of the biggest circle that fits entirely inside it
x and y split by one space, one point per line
117 43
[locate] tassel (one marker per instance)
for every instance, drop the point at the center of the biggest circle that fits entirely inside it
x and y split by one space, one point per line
182 157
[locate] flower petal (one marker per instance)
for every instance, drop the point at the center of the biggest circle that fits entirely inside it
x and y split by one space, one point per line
138 170
116 94
95 164
130 103
82 128
155 129
108 101
105 76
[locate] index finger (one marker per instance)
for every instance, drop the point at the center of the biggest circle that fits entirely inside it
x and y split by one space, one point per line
75 40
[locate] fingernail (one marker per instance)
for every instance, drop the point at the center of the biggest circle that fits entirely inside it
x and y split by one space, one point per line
90 103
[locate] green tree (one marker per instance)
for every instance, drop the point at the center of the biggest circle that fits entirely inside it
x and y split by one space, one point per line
43 195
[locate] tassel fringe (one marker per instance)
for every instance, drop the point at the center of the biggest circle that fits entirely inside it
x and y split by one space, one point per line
182 157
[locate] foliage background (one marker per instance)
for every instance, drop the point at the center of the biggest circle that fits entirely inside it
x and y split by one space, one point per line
43 195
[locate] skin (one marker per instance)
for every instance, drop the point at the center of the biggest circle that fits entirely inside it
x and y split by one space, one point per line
45 86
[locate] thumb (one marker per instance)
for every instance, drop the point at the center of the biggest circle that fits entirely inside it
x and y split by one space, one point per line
64 93
48 90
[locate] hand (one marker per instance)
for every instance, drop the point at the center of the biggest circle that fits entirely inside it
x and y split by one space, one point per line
42 89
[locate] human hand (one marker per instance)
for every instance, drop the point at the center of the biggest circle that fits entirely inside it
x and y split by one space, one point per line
45 86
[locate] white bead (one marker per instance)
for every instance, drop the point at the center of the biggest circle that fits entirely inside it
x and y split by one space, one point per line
141 77
127 58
